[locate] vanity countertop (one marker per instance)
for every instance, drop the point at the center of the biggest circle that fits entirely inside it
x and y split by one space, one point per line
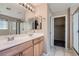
18 39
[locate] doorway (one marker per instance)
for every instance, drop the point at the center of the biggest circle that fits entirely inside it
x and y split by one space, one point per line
59 31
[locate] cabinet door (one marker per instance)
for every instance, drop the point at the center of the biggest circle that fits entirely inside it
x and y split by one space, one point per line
36 49
41 48
28 52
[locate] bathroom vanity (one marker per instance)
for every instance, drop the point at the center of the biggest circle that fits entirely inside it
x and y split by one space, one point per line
15 23
24 46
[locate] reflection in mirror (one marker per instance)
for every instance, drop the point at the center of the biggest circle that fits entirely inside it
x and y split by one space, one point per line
4 29
25 27
8 26
12 25
38 23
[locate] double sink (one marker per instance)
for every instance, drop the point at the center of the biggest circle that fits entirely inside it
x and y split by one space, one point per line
13 40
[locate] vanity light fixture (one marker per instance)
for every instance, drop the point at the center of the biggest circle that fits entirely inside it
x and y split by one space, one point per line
28 6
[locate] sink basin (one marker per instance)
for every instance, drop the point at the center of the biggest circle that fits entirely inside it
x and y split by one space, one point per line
31 34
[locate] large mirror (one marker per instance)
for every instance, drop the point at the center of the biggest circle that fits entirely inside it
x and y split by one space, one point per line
8 26
25 27
12 26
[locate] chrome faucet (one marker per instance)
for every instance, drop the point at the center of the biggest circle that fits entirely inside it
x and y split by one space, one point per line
10 39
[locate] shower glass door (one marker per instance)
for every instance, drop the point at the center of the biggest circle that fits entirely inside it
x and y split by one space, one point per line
75 31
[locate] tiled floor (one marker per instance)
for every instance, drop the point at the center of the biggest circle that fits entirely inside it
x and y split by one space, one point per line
60 51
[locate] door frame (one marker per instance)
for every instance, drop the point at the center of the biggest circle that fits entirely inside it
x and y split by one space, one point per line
66 40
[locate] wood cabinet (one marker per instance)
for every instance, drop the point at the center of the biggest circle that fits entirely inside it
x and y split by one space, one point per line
41 47
36 50
28 52
30 48
38 46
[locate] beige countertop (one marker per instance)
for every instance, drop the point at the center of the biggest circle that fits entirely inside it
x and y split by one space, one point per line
18 39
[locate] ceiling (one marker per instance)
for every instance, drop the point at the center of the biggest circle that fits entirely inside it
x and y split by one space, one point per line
59 7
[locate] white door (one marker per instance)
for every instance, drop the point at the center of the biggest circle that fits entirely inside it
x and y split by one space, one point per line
75 31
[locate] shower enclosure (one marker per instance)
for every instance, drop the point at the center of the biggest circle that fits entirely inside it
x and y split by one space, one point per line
76 31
